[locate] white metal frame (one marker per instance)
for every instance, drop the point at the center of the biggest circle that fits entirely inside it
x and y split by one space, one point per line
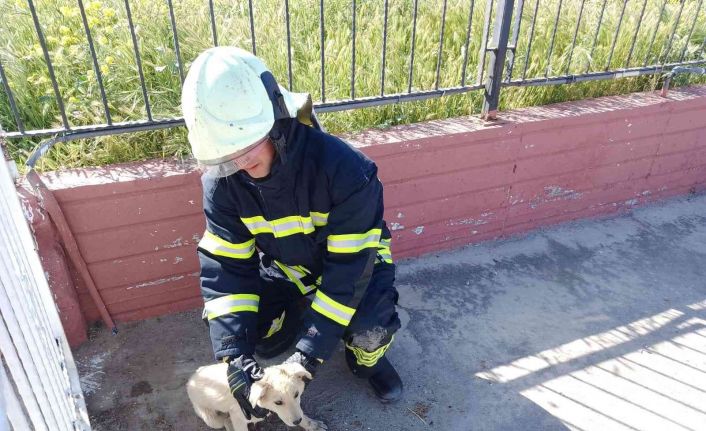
40 383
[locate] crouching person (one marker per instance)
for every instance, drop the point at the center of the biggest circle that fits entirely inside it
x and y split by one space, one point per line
291 212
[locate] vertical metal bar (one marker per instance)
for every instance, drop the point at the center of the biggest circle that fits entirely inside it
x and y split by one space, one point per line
691 31
701 50
138 60
441 46
531 38
595 36
213 23
414 39
637 30
96 67
468 39
501 34
252 27
323 66
384 50
484 41
654 34
674 31
512 49
353 51
50 68
176 40
289 44
551 43
573 42
617 34
11 99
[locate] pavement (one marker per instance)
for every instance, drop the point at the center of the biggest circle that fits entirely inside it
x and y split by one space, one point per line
594 325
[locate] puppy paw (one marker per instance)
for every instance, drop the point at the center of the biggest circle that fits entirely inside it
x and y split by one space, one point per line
312 425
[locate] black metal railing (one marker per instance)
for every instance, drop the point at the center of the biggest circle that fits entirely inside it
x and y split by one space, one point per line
512 57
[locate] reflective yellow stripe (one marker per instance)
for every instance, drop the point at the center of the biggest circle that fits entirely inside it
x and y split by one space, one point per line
335 311
220 247
353 243
319 219
276 325
294 274
231 304
369 359
385 254
280 227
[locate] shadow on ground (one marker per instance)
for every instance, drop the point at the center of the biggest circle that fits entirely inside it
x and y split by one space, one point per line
598 325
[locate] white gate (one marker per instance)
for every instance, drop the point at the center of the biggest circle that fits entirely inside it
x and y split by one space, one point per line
38 378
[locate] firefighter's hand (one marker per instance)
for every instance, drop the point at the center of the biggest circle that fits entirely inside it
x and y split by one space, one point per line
242 372
309 363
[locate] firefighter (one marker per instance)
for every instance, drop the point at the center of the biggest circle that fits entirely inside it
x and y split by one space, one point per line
291 213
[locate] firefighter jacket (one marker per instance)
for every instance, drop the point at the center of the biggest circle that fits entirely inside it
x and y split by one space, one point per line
317 217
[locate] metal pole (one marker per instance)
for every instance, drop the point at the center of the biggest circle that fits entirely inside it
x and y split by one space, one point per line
213 23
289 44
175 36
252 27
515 37
323 48
384 50
11 99
468 38
441 46
50 67
96 67
501 34
414 39
353 51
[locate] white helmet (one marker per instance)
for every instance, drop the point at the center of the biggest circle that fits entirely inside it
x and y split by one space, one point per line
230 101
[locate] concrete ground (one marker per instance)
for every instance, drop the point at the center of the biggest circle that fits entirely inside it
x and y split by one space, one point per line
597 325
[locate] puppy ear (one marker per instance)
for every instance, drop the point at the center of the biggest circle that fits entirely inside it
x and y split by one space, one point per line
258 391
304 375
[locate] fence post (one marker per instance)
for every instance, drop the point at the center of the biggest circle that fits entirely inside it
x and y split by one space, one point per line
498 49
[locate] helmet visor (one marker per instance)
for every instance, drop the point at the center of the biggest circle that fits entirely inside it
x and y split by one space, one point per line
240 160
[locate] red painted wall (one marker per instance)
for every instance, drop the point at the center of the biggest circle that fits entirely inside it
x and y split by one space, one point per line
447 183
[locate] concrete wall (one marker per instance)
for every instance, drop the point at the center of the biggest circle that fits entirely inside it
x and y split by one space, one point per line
447 183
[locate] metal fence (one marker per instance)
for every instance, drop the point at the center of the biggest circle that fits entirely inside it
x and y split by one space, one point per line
512 56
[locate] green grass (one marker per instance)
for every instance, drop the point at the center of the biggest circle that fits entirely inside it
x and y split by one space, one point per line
24 63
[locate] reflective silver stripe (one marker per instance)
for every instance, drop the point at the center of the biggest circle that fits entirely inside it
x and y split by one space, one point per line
385 242
220 247
354 242
281 227
319 219
333 313
231 304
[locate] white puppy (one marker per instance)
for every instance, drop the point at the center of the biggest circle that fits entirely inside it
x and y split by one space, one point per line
279 391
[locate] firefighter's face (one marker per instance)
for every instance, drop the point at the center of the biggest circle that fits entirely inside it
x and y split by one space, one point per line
258 161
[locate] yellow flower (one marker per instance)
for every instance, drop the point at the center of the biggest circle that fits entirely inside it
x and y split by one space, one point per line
109 60
93 21
64 30
102 40
105 69
52 40
69 12
67 40
109 12
73 100
93 6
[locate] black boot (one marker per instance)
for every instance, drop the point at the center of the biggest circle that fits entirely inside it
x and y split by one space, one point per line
386 383
383 378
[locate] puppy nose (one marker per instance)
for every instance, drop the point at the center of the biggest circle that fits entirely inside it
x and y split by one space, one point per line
298 421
